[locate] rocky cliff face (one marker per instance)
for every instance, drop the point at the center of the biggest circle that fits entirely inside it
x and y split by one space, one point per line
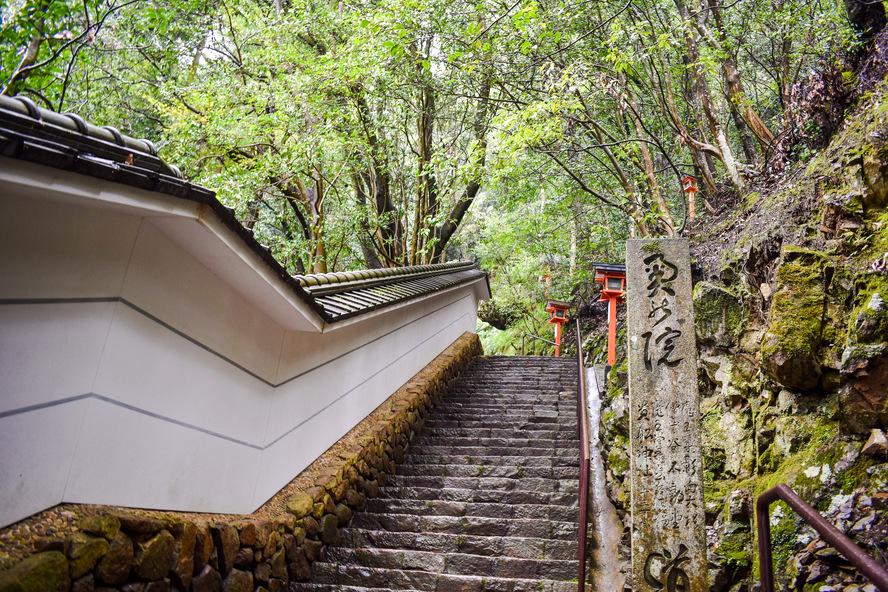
791 304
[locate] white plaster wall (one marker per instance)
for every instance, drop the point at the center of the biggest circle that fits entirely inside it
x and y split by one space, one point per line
135 372
36 448
310 413
50 351
172 285
55 250
132 459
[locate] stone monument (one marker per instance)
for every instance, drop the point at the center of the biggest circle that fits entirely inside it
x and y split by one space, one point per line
668 528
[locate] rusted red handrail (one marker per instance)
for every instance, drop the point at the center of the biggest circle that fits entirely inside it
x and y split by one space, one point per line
583 428
857 556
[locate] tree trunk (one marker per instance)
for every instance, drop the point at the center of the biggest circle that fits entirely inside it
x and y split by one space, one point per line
735 87
746 141
389 229
446 230
371 259
715 127
648 163
13 84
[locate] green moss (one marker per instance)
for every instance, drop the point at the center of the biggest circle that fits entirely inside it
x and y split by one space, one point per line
869 316
857 476
718 313
751 200
735 548
618 460
791 345
652 247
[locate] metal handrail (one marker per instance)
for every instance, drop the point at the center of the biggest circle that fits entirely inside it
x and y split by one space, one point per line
585 454
857 556
531 335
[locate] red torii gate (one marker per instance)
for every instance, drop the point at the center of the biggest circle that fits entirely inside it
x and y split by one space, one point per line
612 278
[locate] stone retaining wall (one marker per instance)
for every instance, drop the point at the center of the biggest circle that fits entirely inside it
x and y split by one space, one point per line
118 550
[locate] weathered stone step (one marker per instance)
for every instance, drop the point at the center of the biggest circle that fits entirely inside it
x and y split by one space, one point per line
433 439
496 421
498 394
437 422
506 410
491 451
496 483
499 432
395 579
483 510
454 563
478 403
491 461
480 470
485 411
478 495
520 547
467 525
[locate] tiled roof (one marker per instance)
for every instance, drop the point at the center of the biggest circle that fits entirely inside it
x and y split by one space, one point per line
65 141
344 295
618 267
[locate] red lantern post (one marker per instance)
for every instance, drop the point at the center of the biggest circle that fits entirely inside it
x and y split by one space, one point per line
613 281
558 315
689 184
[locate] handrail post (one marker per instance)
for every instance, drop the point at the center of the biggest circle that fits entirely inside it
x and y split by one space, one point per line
583 432
763 523
832 535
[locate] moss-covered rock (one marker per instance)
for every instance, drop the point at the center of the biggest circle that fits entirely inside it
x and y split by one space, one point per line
103 525
42 572
300 505
790 348
870 314
739 445
114 567
864 399
154 556
84 551
717 314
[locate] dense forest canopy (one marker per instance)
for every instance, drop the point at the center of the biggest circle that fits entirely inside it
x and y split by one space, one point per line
358 134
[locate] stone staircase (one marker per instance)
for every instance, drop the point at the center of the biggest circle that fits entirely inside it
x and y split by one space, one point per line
486 498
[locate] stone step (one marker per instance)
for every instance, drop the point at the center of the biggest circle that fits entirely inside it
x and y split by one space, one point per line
454 563
480 470
467 525
566 394
476 495
439 421
479 509
500 419
491 461
491 451
499 432
397 579
513 411
493 483
484 500
506 410
477 404
433 439
519 547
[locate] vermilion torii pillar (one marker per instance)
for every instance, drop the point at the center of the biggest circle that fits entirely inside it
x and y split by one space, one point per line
612 278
